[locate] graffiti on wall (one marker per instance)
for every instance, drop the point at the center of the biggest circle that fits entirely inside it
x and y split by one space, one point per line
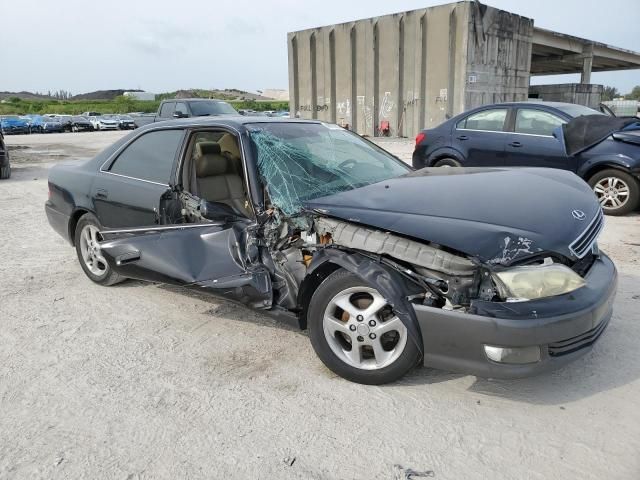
344 108
386 107
318 108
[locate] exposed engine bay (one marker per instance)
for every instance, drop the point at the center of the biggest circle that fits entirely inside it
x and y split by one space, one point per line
287 246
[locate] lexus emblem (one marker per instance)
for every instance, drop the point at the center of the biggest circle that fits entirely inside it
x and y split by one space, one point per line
578 214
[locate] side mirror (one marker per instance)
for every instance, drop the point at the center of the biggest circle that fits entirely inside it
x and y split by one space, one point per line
179 114
216 211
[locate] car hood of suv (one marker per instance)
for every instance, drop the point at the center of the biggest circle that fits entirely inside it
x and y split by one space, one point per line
496 215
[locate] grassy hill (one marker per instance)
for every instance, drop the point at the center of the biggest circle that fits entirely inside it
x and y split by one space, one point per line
119 104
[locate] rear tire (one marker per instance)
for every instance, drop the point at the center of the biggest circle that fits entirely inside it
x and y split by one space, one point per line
617 191
89 255
385 353
447 162
5 172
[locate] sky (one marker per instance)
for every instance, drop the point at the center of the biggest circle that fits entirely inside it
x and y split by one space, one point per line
160 45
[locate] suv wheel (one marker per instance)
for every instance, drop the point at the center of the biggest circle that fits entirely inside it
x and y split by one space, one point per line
617 191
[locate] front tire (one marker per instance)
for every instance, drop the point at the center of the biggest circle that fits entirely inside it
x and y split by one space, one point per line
345 312
447 162
617 191
87 236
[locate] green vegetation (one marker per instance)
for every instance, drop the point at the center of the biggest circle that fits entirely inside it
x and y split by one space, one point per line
609 93
120 104
635 93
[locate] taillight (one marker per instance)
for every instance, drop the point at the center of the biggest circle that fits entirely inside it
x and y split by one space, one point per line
420 137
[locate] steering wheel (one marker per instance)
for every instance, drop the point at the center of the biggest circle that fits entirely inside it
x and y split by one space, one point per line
349 163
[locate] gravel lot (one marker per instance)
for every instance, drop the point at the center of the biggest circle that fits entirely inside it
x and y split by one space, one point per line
146 381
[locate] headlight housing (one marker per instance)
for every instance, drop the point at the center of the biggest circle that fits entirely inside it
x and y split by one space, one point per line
539 281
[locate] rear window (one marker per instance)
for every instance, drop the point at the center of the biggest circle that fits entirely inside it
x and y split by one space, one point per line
211 108
167 110
578 110
489 120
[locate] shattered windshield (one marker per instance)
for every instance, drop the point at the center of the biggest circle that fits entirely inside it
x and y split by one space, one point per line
304 161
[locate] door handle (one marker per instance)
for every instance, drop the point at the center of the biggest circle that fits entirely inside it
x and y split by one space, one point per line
102 193
462 137
128 257
515 144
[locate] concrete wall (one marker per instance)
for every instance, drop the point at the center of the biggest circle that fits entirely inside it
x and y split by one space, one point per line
580 93
498 58
411 69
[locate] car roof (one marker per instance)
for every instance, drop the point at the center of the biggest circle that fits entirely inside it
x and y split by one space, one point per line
234 121
194 100
533 101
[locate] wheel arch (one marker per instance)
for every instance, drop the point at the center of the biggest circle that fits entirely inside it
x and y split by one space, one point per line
590 168
73 223
445 152
309 285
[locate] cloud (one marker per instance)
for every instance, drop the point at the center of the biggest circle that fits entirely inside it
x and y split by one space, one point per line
158 39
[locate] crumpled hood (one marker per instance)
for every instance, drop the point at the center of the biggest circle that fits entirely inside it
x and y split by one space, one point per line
496 215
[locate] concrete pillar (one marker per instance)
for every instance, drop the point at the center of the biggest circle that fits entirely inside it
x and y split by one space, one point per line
587 63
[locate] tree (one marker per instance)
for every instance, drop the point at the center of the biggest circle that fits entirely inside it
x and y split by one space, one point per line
609 93
635 93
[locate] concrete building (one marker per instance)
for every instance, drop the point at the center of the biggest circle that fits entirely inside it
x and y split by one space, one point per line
583 93
396 74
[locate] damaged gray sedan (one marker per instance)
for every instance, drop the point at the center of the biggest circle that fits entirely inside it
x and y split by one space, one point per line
493 272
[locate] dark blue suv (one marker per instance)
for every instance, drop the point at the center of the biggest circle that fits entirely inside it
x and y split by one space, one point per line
522 134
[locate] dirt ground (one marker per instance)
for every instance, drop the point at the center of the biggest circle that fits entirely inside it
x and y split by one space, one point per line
145 381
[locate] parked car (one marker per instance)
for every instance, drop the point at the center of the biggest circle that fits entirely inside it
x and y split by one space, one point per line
522 134
80 124
125 122
103 123
494 272
28 120
51 125
35 123
91 114
5 164
187 107
66 121
13 124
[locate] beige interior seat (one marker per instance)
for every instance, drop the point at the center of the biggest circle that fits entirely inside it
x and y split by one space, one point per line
216 178
229 146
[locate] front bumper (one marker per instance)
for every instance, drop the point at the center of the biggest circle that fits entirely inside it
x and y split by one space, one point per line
564 327
108 127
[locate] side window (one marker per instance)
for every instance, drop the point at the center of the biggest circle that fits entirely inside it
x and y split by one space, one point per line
536 122
167 110
150 157
181 108
491 120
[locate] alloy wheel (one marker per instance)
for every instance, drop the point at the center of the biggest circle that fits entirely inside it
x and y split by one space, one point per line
362 329
91 253
612 192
